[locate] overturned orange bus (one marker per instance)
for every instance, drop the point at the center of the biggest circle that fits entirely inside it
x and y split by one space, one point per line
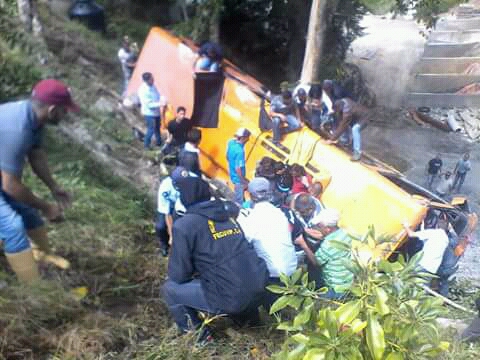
366 193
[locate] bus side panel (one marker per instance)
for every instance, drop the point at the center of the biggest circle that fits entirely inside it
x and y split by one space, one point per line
171 63
238 108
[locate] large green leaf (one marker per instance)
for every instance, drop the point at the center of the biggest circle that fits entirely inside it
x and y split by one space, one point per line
395 356
280 304
276 289
315 354
301 339
297 353
296 276
375 337
381 299
348 312
358 325
304 316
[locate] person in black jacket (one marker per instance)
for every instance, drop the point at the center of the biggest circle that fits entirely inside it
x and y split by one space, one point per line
212 267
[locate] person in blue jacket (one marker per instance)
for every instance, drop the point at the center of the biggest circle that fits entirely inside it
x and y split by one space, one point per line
212 267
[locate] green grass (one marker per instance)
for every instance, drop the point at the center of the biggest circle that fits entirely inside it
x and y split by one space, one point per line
108 238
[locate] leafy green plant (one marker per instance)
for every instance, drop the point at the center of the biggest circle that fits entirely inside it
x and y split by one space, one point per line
386 315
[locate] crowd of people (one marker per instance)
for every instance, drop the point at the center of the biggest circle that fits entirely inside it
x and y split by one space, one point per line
214 245
447 182
326 108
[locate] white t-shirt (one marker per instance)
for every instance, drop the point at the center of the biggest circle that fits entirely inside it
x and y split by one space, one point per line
190 148
328 102
267 228
123 56
435 241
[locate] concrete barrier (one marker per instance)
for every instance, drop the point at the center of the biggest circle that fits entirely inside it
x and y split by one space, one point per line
452 50
458 24
442 83
442 100
444 65
466 36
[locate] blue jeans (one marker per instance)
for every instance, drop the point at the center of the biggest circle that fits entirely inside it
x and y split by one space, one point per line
354 134
184 300
443 276
459 179
153 128
292 125
357 139
15 219
238 191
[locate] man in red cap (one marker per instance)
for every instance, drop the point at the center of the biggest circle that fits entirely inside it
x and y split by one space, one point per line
21 129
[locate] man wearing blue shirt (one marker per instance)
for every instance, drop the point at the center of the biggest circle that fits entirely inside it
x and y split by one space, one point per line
152 108
21 130
236 163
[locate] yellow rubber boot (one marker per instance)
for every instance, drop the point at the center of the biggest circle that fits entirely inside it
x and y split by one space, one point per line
24 266
41 249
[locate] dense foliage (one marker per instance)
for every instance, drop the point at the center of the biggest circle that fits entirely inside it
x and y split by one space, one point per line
387 316
16 74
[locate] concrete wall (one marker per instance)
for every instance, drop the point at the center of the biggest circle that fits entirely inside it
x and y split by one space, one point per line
442 83
442 100
459 24
452 50
445 65
448 36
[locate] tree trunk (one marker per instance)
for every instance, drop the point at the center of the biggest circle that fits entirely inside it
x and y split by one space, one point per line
207 21
298 13
27 12
313 50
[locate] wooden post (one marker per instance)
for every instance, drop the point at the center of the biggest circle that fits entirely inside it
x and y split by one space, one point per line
313 48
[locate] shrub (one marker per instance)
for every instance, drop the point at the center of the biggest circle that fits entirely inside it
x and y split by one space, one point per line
387 314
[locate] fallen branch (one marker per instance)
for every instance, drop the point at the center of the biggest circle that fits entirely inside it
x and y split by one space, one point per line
448 301
414 116
432 121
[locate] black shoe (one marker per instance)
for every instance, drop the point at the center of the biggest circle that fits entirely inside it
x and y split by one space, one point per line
164 249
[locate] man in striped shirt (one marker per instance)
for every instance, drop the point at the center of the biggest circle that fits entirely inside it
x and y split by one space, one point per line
332 261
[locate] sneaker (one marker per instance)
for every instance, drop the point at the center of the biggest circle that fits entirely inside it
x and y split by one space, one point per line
356 156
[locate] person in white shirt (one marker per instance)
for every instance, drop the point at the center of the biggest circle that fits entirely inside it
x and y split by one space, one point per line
435 242
152 109
168 205
124 54
267 228
194 136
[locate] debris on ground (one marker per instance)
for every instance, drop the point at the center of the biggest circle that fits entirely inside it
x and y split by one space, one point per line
461 120
472 69
472 89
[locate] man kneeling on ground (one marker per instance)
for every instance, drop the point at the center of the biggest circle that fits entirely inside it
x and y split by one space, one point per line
212 267
335 274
